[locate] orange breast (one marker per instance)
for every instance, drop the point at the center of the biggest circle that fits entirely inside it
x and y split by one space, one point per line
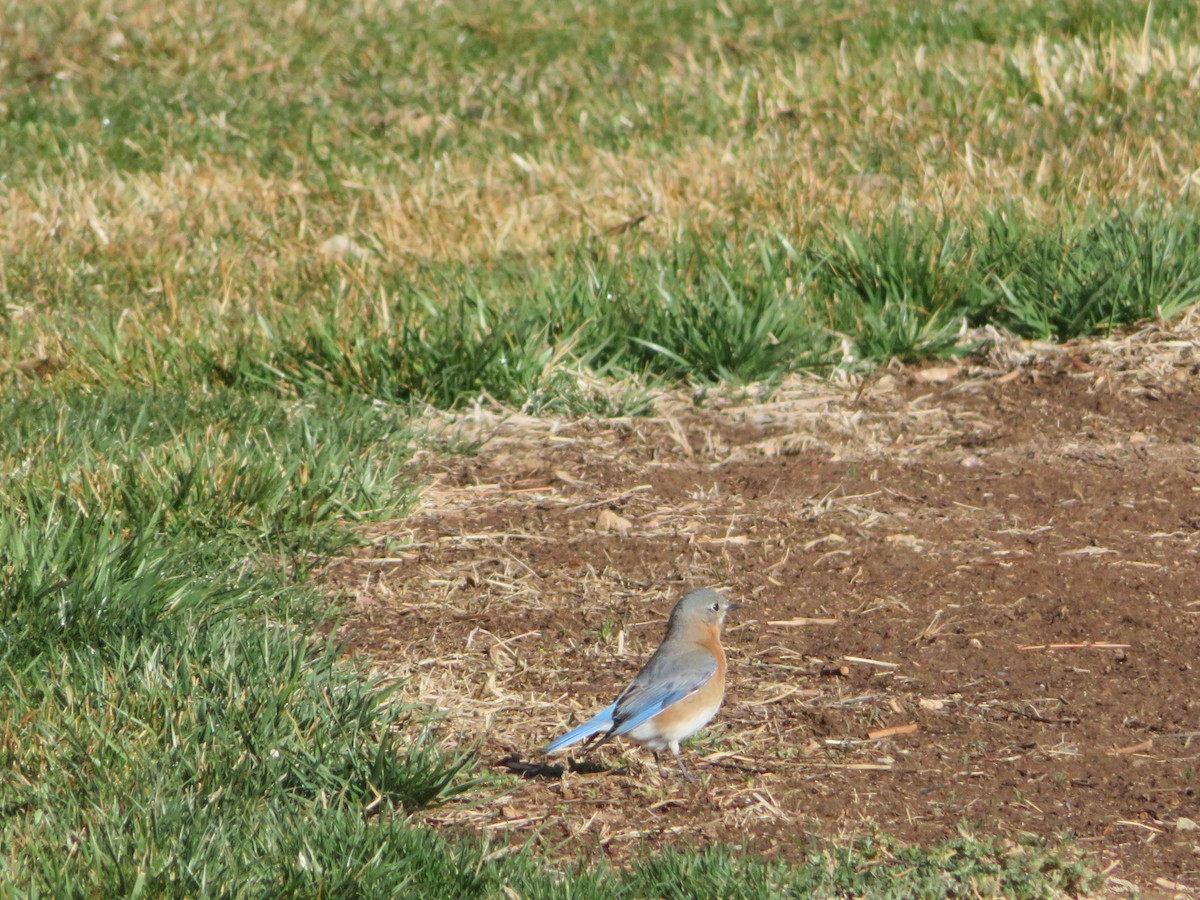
689 715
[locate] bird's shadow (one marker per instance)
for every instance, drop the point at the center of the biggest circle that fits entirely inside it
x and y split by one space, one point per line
528 768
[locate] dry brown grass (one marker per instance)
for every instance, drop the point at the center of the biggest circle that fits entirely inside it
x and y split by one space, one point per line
803 134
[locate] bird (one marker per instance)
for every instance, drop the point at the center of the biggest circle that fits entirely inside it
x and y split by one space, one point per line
676 693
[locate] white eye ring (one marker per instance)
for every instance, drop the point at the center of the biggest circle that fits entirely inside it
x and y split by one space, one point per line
716 607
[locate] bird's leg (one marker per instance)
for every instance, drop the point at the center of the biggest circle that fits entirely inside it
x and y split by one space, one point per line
682 767
658 764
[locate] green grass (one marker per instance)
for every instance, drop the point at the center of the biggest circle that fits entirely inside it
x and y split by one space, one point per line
166 715
1061 283
559 206
544 335
720 308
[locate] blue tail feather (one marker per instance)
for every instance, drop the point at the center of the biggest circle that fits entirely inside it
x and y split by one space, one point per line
597 724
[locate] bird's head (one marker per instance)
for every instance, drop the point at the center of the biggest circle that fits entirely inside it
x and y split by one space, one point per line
702 608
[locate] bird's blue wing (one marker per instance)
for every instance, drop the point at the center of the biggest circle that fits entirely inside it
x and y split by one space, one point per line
597 724
658 687
648 707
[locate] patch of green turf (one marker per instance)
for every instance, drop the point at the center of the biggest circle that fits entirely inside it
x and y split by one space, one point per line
545 335
166 712
723 309
1064 282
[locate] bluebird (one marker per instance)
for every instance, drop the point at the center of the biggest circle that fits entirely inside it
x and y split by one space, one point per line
678 691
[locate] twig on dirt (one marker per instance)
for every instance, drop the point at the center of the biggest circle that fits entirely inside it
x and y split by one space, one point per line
853 701
616 498
935 627
1138 825
801 621
494 536
787 552
1168 885
1004 558
1134 748
519 562
879 734
499 642
515 823
1035 716
866 661
1186 736
379 560
803 692
862 767
831 538
1085 645
567 478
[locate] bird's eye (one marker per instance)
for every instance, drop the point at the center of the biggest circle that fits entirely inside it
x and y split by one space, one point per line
716 607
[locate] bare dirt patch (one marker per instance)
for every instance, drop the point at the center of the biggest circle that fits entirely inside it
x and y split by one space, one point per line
1001 563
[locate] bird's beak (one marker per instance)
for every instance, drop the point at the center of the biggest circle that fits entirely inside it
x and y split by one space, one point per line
734 607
